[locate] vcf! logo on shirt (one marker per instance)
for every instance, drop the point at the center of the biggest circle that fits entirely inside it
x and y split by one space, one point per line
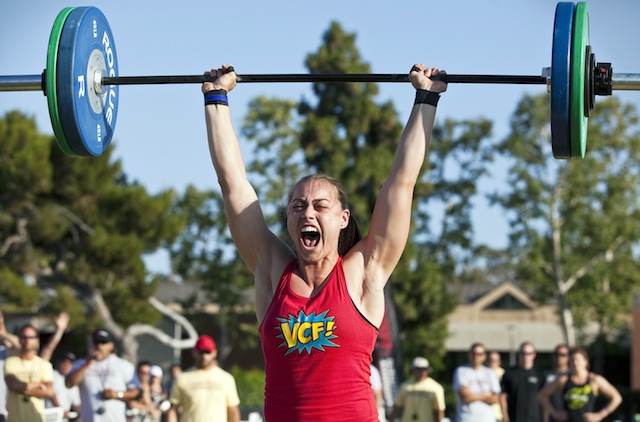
307 332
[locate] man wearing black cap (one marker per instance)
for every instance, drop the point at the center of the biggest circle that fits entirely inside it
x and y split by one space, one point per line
422 398
206 392
106 381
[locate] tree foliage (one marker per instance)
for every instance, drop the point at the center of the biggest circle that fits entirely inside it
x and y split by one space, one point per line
574 223
71 228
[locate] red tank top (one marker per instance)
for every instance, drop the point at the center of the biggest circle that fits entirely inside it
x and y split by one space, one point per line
317 353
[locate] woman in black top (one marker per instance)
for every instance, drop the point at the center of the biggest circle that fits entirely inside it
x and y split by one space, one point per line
579 390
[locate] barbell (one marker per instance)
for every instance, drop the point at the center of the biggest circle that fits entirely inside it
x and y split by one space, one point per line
81 80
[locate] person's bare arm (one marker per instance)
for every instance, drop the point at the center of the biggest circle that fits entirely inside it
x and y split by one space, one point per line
468 396
391 216
262 251
250 232
62 322
76 376
233 414
504 407
10 340
172 414
544 398
383 246
126 395
34 389
608 390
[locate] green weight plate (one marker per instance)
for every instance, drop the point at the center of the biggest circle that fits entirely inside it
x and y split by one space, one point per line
50 80
578 116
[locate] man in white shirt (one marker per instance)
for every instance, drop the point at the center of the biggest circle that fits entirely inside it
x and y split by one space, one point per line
106 381
66 398
477 388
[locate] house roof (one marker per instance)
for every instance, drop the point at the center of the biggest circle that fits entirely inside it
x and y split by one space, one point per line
501 317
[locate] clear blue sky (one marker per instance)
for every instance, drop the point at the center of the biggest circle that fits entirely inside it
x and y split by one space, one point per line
160 133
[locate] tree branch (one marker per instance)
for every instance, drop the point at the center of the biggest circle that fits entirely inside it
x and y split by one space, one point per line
77 221
21 236
128 336
571 281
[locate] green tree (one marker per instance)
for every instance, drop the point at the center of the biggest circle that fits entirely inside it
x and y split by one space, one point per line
73 232
204 253
574 224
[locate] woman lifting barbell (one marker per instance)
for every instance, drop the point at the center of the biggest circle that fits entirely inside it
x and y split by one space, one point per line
319 306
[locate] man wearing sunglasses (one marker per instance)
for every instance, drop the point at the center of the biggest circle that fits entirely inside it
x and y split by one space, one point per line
477 388
106 381
560 368
520 386
205 392
29 379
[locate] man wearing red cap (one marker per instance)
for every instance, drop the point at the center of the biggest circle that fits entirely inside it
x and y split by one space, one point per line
206 392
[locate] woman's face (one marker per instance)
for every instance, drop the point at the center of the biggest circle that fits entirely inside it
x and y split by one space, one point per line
577 361
315 217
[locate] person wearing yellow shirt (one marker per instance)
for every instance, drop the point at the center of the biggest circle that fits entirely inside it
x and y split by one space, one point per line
207 392
29 379
422 398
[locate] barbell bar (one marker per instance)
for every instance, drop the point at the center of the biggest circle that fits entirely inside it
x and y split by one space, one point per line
81 80
34 82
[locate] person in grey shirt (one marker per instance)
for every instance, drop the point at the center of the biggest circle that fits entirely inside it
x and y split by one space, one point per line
106 381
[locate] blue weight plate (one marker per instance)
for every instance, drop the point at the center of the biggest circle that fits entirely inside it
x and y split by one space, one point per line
86 47
561 80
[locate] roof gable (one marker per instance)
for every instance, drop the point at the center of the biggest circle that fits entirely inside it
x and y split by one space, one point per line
506 296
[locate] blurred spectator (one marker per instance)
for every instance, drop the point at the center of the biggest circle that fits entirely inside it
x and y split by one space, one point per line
206 392
10 345
106 381
495 363
174 370
376 385
147 406
580 388
29 379
520 386
3 356
477 388
66 398
560 367
157 391
422 398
